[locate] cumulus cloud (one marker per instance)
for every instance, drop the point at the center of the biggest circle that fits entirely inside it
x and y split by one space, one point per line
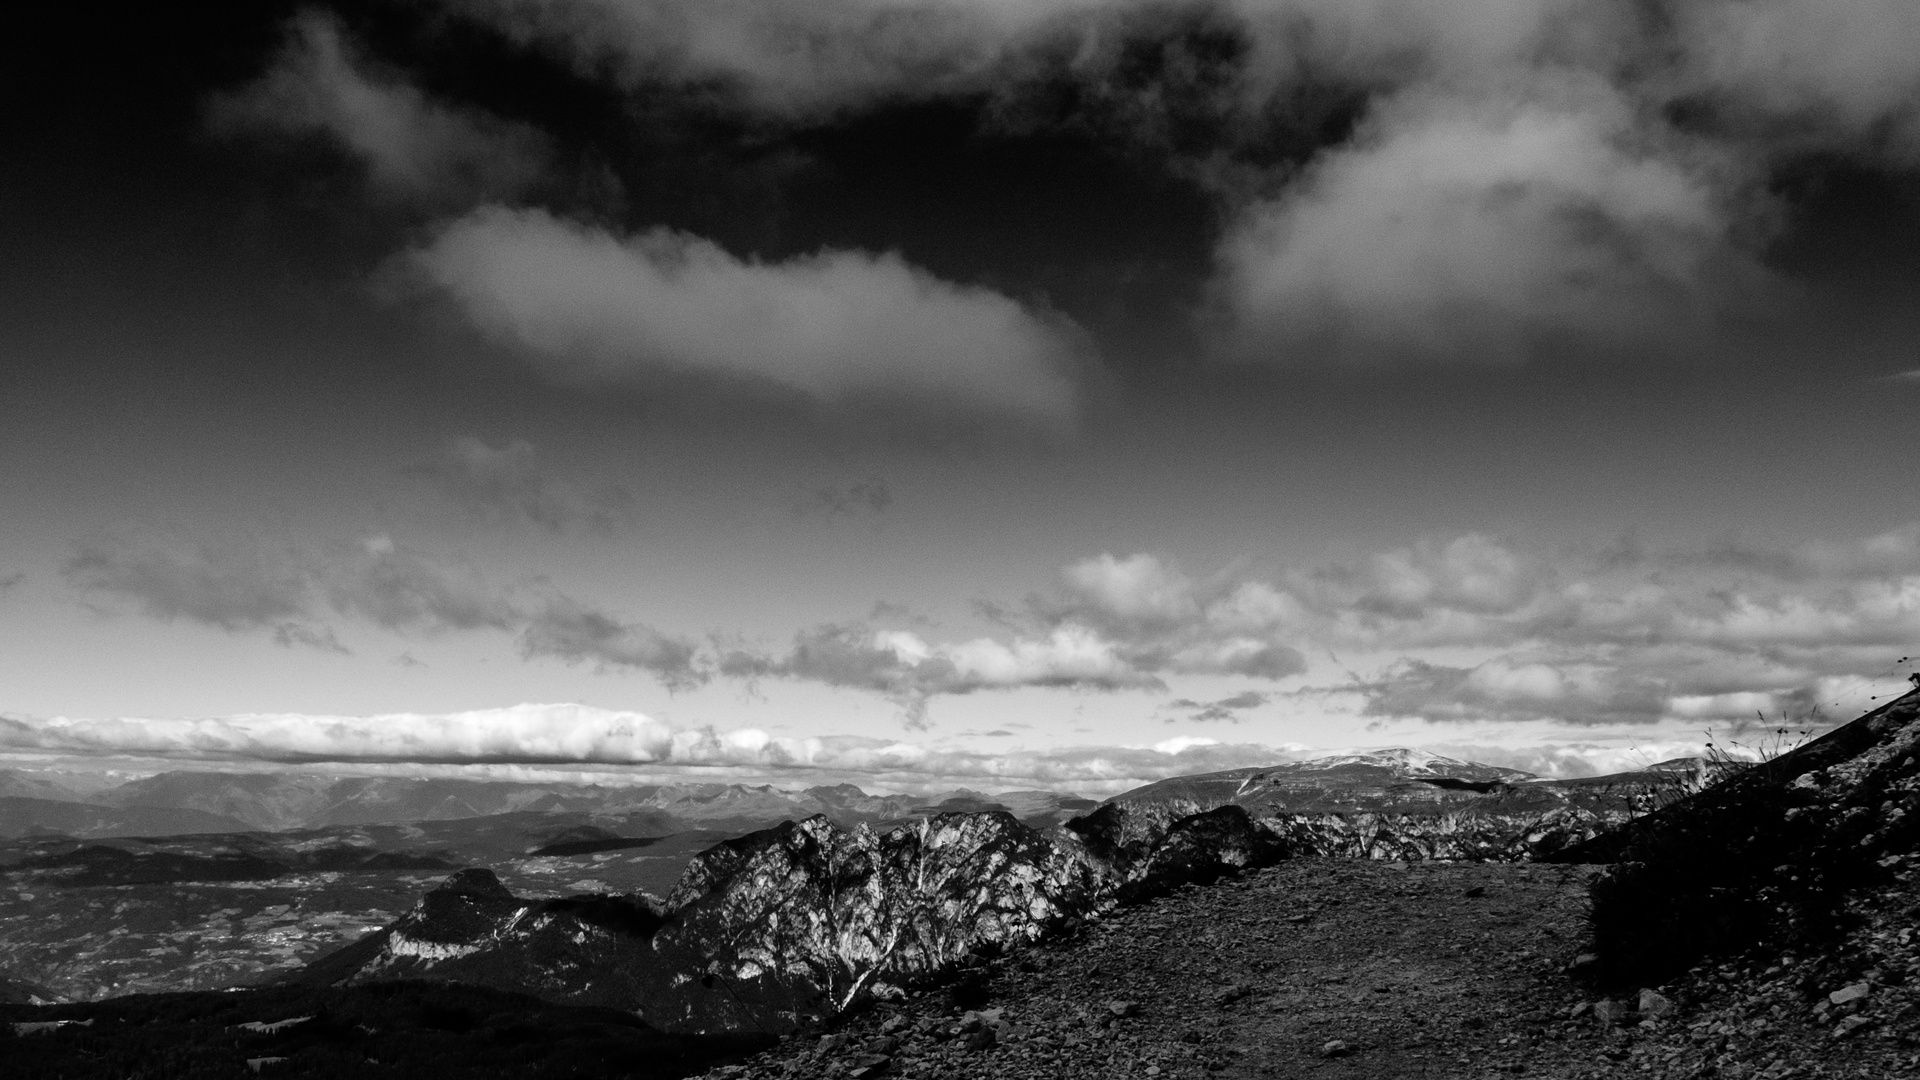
1114 624
289 592
1484 232
1624 635
508 484
1620 635
413 146
1814 76
1526 173
1165 621
1402 181
595 306
908 669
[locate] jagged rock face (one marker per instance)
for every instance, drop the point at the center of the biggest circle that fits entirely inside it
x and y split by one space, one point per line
1469 836
583 951
804 919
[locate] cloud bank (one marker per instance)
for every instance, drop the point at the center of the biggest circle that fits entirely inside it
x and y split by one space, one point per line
1470 629
579 735
582 744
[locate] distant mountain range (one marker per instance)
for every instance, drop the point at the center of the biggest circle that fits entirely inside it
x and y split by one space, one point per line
201 802
1406 781
183 802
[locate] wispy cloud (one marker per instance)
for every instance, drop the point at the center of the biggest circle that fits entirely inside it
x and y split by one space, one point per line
289 592
1226 709
568 630
413 147
870 495
398 588
509 484
232 586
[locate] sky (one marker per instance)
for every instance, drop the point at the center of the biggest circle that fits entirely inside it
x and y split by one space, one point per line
1052 393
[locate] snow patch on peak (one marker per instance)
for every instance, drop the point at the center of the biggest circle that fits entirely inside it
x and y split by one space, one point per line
1400 759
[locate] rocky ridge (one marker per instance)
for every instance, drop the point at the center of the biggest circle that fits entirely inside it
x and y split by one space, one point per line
793 924
1411 804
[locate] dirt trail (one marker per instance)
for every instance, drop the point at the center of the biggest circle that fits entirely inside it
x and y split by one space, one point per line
1326 969
1423 969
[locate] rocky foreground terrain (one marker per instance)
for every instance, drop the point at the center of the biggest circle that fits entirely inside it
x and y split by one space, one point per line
1347 970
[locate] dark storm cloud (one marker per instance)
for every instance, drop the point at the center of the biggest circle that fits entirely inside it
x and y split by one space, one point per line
508 484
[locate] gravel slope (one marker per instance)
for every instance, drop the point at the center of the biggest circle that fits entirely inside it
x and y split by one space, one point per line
1345 970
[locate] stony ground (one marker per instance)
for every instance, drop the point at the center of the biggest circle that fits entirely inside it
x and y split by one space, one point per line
1346 970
